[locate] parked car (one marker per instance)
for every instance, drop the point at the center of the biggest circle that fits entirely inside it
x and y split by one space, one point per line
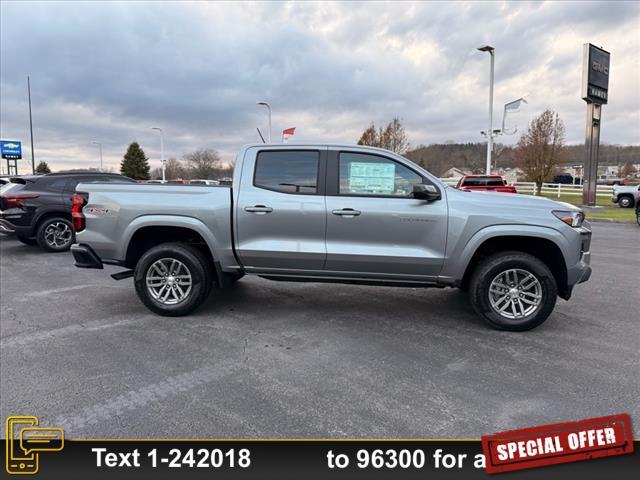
626 196
350 214
609 180
492 183
204 182
563 178
5 227
38 208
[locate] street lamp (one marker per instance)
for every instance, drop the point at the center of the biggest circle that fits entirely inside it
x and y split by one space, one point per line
491 50
100 147
266 104
161 151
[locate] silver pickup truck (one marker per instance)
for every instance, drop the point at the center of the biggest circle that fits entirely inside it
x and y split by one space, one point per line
341 214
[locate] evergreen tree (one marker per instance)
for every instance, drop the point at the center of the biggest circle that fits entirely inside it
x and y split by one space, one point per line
135 163
42 168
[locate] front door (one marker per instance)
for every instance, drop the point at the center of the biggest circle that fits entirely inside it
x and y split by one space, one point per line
374 225
281 214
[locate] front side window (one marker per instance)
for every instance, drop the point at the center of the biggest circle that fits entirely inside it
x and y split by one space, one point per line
289 171
365 174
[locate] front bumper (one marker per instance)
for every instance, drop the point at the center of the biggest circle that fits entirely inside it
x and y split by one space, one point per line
6 227
85 257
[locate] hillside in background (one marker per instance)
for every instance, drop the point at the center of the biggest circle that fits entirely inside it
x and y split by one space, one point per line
438 158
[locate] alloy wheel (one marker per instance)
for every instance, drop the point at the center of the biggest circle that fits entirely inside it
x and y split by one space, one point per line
58 234
515 293
169 281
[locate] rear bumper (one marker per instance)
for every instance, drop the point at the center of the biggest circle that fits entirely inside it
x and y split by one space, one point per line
85 257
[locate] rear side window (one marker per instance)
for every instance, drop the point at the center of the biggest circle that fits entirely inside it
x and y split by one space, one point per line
52 184
290 171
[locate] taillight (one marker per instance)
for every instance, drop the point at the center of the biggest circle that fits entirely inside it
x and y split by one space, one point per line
78 201
17 200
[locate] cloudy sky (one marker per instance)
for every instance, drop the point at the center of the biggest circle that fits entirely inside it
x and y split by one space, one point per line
107 72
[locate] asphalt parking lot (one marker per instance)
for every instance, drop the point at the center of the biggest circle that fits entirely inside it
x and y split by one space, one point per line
271 359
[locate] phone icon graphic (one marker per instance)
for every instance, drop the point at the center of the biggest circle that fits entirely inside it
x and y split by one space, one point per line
17 462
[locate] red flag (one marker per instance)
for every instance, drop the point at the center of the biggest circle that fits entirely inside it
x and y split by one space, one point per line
289 131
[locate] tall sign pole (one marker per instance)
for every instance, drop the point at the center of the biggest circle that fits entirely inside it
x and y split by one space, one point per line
595 91
33 158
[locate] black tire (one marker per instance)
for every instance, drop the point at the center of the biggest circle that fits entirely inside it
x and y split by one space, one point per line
197 266
27 240
55 234
625 202
490 269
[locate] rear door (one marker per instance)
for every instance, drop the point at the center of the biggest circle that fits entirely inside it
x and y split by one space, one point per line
280 211
375 227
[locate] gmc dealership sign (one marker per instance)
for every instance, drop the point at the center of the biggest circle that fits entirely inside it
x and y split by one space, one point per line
595 74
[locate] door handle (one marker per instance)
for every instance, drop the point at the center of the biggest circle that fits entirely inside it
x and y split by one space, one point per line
259 209
347 212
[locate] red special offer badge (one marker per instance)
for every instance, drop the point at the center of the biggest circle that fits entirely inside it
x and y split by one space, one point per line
558 443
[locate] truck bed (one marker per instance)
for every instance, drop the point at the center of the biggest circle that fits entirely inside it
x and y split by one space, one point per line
119 209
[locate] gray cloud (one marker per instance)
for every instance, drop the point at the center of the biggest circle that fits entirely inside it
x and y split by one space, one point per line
109 71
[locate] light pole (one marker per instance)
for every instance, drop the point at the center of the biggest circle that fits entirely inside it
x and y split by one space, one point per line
491 50
266 104
161 151
100 147
33 158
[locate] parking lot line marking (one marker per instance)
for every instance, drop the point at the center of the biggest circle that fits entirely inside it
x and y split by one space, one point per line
26 338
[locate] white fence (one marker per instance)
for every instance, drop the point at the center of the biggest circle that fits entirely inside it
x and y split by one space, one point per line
558 189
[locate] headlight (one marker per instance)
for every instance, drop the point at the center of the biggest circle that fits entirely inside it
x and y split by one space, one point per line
573 218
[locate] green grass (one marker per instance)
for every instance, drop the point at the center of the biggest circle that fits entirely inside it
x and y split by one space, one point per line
610 212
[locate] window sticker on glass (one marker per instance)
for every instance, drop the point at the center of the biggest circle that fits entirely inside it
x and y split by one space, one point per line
367 177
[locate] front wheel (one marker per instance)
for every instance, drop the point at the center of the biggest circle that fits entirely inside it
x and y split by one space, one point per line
625 202
173 279
513 291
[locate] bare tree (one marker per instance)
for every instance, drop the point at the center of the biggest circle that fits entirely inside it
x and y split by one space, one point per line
175 169
369 136
203 163
541 148
393 137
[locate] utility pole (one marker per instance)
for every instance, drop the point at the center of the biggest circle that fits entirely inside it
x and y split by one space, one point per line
33 158
491 50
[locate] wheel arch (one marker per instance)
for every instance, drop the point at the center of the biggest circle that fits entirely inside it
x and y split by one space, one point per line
143 235
543 243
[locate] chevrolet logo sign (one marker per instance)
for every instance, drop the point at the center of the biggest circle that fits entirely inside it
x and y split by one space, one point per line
11 145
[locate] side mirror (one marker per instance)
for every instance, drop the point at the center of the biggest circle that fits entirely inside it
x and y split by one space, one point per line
426 192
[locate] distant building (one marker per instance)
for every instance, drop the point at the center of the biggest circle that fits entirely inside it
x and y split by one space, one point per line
455 173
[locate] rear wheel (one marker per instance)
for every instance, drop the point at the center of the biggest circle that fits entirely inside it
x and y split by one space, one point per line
27 240
55 235
173 279
513 291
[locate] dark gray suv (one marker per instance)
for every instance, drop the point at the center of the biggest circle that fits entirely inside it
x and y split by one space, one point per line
38 209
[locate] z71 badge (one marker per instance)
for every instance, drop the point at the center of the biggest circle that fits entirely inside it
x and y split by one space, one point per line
97 210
